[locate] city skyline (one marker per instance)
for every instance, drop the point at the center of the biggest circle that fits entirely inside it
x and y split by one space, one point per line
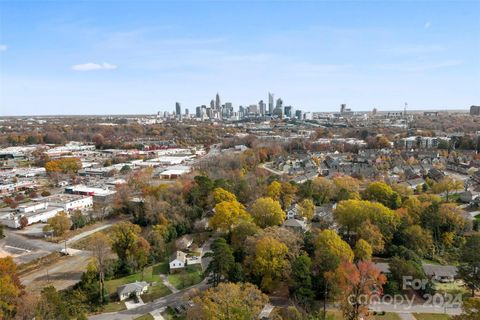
64 58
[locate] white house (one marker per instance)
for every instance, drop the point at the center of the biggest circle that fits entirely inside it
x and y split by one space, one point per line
136 288
178 260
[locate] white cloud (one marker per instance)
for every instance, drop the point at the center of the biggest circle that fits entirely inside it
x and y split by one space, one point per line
427 24
3 47
91 66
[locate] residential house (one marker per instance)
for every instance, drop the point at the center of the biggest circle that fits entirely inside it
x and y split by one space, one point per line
440 273
178 260
132 289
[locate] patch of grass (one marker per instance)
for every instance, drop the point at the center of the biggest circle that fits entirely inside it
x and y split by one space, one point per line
387 316
114 307
148 276
155 291
147 316
453 288
188 277
431 316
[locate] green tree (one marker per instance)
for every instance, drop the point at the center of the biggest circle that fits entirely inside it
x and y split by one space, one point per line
222 263
469 269
267 212
302 280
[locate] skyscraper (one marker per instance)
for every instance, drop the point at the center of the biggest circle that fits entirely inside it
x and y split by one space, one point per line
261 106
178 109
217 102
270 103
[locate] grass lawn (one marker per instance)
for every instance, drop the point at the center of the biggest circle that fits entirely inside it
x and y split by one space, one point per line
114 307
155 291
431 316
452 288
148 275
147 316
188 277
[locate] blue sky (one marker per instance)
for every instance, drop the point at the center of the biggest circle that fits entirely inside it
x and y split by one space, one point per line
112 57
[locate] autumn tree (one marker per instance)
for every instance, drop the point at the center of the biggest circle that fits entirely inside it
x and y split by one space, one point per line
59 224
418 239
139 254
372 235
362 251
270 261
346 187
267 212
350 215
357 284
330 251
124 237
100 245
10 287
447 185
63 165
228 301
23 222
228 214
383 193
306 209
220 195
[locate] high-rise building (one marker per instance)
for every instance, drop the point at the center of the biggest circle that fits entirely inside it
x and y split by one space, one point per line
261 106
186 111
270 103
212 104
217 102
287 110
178 109
279 104
475 110
298 114
198 112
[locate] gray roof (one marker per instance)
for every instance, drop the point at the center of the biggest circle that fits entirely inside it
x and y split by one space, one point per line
132 287
439 271
179 255
383 267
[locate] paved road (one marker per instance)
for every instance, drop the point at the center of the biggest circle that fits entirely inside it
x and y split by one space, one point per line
416 308
150 307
